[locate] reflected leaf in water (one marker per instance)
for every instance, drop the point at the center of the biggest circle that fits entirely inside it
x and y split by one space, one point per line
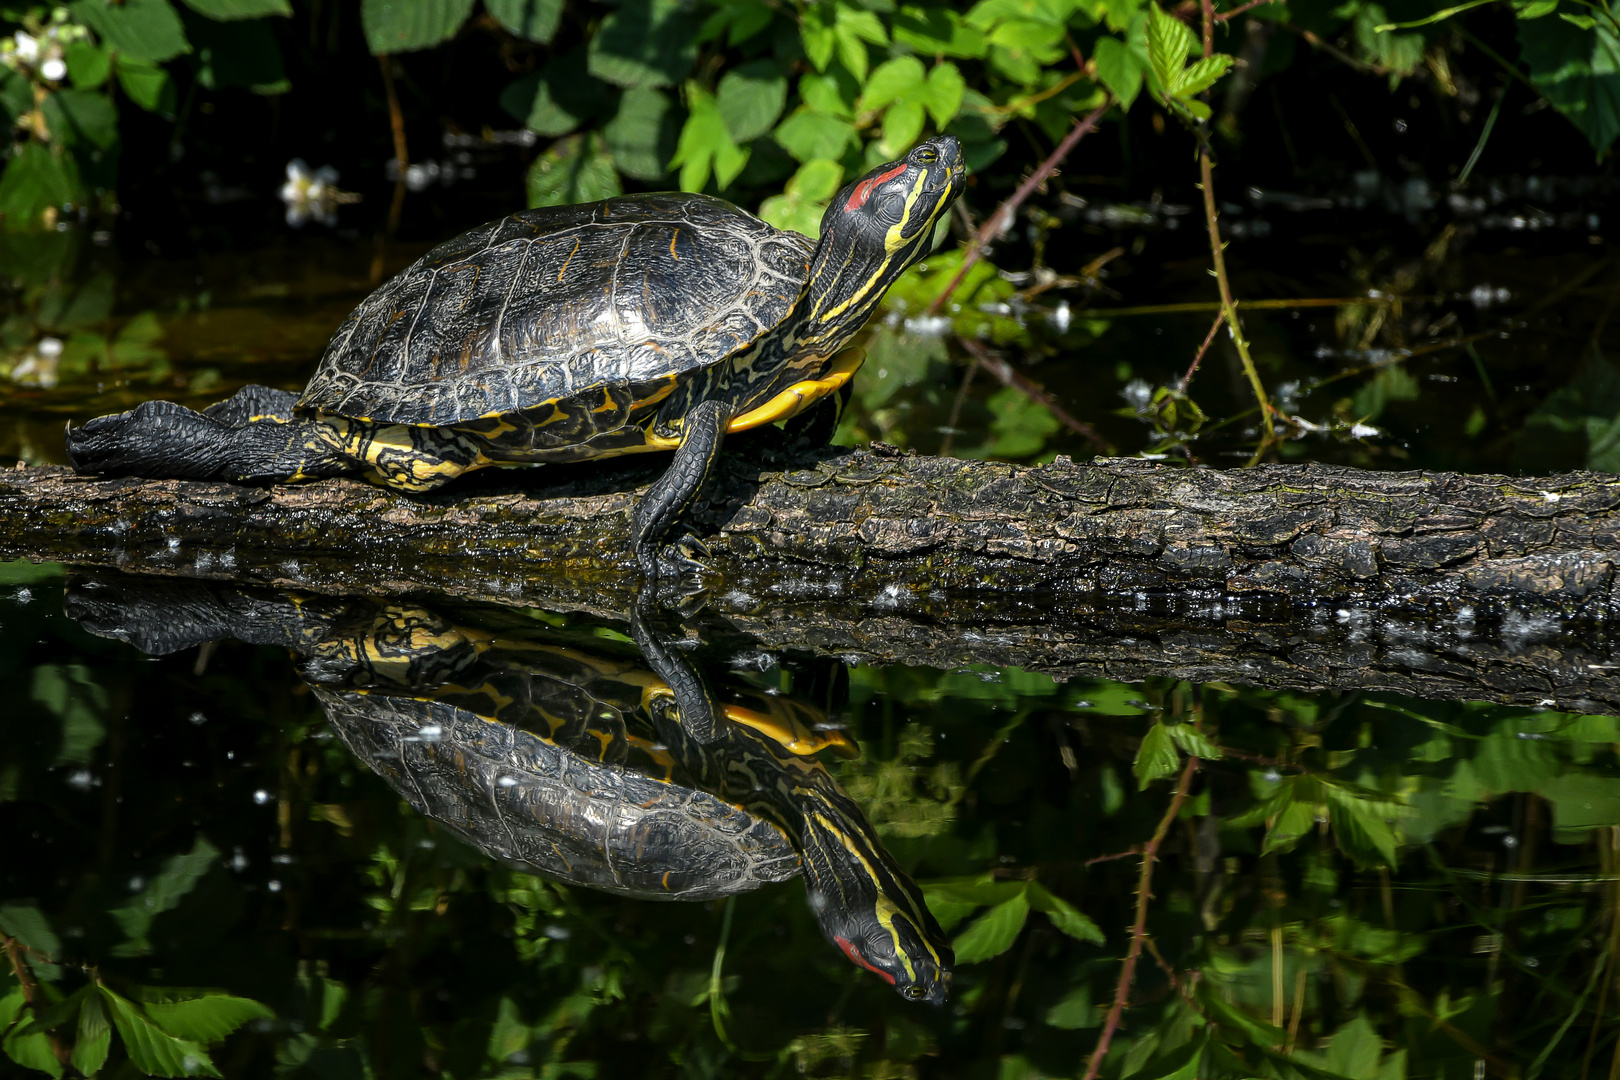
565 756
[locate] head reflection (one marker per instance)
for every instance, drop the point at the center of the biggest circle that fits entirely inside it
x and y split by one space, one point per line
570 754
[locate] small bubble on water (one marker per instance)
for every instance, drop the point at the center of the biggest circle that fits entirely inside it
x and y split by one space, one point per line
273 885
137 883
22 594
261 796
81 779
198 718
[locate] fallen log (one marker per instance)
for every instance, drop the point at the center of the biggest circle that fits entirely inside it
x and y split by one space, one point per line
1305 576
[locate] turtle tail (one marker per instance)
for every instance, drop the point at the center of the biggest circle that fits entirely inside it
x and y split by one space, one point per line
251 438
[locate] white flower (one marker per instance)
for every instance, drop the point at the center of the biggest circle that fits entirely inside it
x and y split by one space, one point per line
27 47
54 69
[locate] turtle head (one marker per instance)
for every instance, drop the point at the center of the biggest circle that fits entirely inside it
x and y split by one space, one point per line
875 228
899 942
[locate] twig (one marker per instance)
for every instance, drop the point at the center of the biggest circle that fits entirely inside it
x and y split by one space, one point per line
1206 170
1134 849
956 409
396 121
30 990
1000 221
1192 307
1009 376
1150 851
1337 53
1235 12
1204 348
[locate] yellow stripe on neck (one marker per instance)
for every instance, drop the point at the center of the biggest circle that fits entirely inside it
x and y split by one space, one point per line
796 398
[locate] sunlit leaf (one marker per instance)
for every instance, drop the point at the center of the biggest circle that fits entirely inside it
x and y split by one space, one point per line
641 138
141 29
94 1036
994 932
146 84
239 9
894 80
750 98
1169 43
1194 742
206 1019
1064 915
178 877
574 170
645 43
394 26
705 146
942 93
533 19
1156 757
1297 819
152 1050
808 134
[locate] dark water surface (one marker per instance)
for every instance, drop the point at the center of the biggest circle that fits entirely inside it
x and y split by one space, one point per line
1353 885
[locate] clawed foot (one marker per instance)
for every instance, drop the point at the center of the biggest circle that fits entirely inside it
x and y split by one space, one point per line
675 569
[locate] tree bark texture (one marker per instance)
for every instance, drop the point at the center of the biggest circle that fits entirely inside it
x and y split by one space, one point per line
1303 576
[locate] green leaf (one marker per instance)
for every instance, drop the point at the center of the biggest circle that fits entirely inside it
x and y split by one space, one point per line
994 932
88 64
750 98
178 877
1200 75
1354 1050
942 95
645 43
830 93
1363 834
1294 821
1156 757
82 116
1579 72
206 1019
1534 9
395 26
558 98
802 201
902 124
576 169
642 136
895 80
141 29
151 1049
1584 22
240 53
705 146
30 1051
938 31
818 36
808 134
1073 1010
533 19
1194 742
94 1038
146 84
225 10
36 178
1064 915
1169 43
70 691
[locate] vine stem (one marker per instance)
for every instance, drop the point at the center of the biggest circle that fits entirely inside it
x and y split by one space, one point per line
1000 221
30 990
1007 375
1127 971
1217 249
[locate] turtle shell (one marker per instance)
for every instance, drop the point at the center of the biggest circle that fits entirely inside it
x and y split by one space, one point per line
548 304
546 808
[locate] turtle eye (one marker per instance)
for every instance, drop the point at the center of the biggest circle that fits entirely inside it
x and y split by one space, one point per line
926 155
915 991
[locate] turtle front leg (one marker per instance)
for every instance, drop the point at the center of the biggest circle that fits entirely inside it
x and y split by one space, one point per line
702 434
160 439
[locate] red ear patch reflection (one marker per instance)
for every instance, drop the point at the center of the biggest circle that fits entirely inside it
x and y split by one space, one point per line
863 190
843 943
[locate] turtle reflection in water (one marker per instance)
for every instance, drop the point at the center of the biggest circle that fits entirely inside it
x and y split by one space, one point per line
566 757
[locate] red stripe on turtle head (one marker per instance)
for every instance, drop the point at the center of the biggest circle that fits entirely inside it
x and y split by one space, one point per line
849 950
863 190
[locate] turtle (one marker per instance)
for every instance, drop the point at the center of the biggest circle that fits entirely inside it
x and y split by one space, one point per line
564 755
645 322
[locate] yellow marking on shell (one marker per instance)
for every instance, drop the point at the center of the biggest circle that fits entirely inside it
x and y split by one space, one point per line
802 394
568 260
790 733
672 238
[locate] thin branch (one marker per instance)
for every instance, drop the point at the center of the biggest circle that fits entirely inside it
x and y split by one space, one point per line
1127 973
1134 849
1009 376
30 990
1193 307
1204 348
1235 12
1000 221
396 121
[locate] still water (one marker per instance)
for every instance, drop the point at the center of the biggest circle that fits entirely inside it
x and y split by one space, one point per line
349 812
270 833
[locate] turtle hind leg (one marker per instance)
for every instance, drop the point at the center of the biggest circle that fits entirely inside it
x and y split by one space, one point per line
160 439
817 425
703 432
254 402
